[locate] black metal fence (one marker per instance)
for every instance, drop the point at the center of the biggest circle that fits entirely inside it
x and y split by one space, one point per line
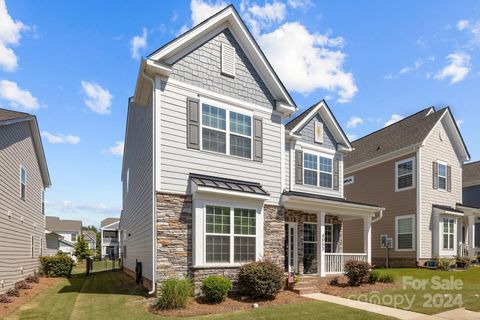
112 263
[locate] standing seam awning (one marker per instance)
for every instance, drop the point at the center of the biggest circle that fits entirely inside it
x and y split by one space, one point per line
228 184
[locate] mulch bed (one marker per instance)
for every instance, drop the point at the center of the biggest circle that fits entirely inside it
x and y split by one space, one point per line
196 307
342 289
27 295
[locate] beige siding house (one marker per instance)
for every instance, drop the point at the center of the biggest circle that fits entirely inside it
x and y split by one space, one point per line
413 168
213 177
23 180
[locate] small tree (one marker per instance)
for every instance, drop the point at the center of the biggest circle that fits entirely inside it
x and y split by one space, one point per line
81 248
98 244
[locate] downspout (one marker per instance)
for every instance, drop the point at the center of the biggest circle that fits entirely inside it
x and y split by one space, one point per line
380 216
154 216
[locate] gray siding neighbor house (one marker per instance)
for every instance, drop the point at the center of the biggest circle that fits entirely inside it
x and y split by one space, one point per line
216 173
471 193
23 180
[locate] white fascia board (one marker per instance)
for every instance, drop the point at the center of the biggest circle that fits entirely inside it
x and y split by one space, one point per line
302 202
446 212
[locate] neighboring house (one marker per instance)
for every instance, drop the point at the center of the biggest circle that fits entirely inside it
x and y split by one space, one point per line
207 182
52 243
70 230
471 195
23 179
110 238
90 238
413 168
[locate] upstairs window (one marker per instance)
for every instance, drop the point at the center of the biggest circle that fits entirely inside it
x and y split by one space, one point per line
73 237
43 202
226 132
442 176
23 183
404 171
317 170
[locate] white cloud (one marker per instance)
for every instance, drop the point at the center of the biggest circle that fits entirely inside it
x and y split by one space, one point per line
303 4
394 118
415 66
10 34
261 17
116 150
458 68
138 43
60 138
460 122
202 10
314 60
89 213
352 136
354 121
97 99
462 24
17 97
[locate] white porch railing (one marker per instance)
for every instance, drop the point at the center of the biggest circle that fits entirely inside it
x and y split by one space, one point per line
335 262
464 250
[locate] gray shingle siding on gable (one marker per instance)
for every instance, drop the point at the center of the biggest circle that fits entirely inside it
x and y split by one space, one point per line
308 134
202 67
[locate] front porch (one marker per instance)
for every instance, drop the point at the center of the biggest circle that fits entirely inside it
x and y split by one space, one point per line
314 233
469 232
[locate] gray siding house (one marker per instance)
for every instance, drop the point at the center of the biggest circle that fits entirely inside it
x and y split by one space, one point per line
213 177
471 194
109 238
23 180
68 230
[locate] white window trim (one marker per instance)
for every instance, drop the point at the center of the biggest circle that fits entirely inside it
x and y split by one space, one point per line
21 183
127 184
397 189
442 221
42 195
227 108
412 216
443 163
346 182
305 241
32 248
199 227
318 171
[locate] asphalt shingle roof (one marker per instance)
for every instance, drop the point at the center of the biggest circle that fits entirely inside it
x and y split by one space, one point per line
404 133
471 172
107 221
57 224
9 114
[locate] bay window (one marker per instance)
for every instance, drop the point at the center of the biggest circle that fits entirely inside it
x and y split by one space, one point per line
317 170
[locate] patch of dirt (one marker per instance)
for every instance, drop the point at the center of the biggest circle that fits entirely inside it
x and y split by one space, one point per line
342 289
27 295
195 307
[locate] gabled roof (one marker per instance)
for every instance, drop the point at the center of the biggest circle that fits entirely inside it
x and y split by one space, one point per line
163 57
57 224
9 117
471 173
295 124
108 221
408 132
90 234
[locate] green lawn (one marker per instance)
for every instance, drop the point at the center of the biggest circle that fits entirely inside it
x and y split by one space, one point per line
427 300
113 295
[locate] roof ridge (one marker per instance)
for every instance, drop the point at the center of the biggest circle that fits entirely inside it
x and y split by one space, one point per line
303 112
396 123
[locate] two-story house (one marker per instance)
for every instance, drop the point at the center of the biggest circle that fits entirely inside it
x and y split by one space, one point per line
109 238
471 198
413 168
23 179
212 178
69 231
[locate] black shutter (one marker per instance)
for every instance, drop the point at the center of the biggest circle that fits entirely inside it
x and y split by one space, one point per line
435 175
298 167
193 123
449 178
257 139
336 175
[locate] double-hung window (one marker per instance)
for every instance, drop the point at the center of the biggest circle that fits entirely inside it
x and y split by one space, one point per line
448 233
317 170
404 233
442 176
310 240
404 171
226 131
230 234
23 183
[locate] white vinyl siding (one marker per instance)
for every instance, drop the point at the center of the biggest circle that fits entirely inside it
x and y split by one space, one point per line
404 233
405 174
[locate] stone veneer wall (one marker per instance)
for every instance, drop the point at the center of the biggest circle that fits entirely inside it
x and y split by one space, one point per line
174 239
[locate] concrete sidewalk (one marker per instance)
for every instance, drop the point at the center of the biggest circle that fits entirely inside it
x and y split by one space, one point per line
457 314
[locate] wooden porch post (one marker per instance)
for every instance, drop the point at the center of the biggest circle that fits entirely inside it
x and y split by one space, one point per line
367 237
471 236
321 243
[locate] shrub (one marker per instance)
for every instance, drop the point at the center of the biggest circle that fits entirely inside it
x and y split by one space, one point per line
56 266
386 276
373 277
261 279
356 272
216 288
23 285
445 264
4 298
462 262
33 279
333 281
13 292
173 294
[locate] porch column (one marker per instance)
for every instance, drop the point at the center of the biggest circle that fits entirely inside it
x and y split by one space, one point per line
367 237
471 236
321 244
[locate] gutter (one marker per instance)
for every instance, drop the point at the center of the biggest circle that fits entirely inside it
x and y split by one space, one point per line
380 216
154 222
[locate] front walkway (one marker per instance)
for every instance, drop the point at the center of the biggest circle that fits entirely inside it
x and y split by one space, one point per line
457 314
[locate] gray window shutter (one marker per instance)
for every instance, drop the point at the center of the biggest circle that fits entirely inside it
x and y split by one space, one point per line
435 175
193 123
336 175
449 178
257 139
298 167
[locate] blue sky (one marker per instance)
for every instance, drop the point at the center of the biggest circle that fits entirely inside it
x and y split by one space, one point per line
74 65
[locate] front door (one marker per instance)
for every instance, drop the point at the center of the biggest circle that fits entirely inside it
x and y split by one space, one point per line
291 254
